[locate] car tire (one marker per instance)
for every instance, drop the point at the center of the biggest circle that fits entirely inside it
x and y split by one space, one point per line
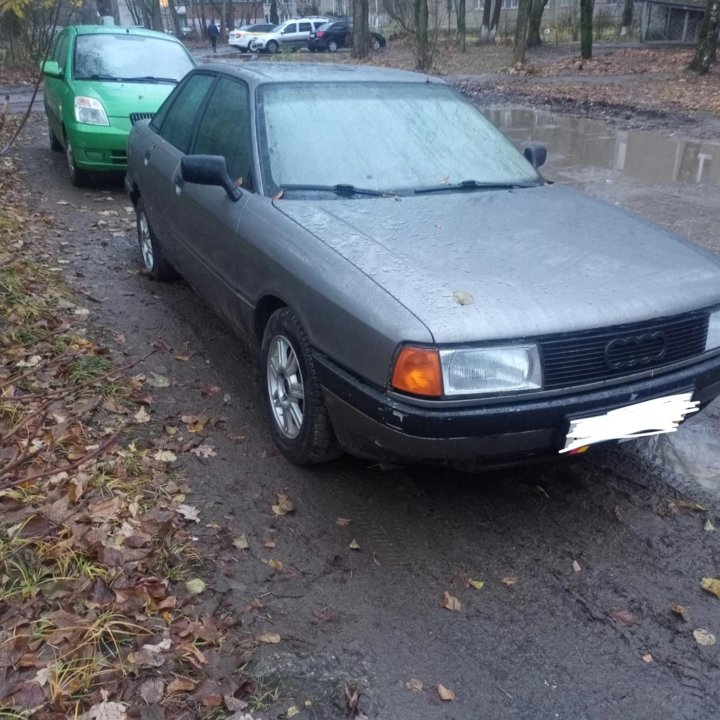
293 398
273 47
332 46
154 261
55 144
375 43
78 177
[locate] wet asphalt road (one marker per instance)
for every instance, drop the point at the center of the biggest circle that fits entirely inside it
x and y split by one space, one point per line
592 553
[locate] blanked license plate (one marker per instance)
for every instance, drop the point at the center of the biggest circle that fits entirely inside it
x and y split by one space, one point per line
652 417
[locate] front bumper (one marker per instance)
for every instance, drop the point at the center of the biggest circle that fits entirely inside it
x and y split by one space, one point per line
371 424
101 148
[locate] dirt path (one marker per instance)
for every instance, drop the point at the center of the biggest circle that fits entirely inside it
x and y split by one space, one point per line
581 563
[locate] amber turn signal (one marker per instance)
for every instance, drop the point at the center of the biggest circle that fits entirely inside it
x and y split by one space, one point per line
417 371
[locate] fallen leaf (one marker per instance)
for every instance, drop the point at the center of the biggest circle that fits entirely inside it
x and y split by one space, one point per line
708 526
270 545
195 423
188 512
414 684
712 585
450 602
142 416
233 704
292 711
704 637
167 456
681 610
284 505
627 617
210 390
270 638
158 381
204 451
445 693
509 580
477 584
576 566
180 684
241 542
183 358
647 657
354 545
275 564
105 711
151 691
195 586
342 522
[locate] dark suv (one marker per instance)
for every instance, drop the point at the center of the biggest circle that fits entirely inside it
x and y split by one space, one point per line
334 35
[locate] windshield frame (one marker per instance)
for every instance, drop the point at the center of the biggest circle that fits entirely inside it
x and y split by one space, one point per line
270 186
77 41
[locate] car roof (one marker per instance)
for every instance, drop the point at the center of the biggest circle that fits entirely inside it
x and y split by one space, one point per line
259 72
119 30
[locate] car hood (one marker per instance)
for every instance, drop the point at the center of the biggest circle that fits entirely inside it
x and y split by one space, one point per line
509 264
120 99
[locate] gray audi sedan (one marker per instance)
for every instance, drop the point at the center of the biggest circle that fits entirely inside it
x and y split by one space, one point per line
415 288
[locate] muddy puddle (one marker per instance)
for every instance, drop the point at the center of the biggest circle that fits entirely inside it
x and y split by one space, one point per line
636 154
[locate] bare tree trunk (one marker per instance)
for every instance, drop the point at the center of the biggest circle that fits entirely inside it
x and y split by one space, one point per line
229 17
88 13
495 21
361 29
175 17
423 51
706 50
586 25
461 26
274 18
485 27
627 17
521 32
534 39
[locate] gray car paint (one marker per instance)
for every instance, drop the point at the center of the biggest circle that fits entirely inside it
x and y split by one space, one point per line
365 275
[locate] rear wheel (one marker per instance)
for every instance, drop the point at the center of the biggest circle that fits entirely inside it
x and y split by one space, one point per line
376 44
293 397
154 262
332 46
273 47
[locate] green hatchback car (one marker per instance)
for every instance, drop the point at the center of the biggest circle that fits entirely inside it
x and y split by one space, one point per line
99 81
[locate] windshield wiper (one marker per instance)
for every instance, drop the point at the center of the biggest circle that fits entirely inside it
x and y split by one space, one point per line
472 185
150 78
96 76
339 189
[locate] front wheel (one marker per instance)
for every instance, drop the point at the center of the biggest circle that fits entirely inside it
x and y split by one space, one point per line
78 177
293 397
273 47
154 261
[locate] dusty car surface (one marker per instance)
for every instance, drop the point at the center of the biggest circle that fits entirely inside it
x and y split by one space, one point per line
427 296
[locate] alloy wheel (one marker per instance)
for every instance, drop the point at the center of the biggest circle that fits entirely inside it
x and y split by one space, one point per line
146 248
285 387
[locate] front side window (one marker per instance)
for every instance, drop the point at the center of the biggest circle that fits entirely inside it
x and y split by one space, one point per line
225 128
177 121
127 58
60 54
388 137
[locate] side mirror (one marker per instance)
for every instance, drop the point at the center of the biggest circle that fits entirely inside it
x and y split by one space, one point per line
52 69
535 154
209 170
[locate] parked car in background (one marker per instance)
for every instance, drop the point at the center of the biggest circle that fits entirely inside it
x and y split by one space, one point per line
335 35
241 37
292 34
101 79
426 296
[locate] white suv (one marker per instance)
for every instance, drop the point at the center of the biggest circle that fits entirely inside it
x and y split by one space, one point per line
292 34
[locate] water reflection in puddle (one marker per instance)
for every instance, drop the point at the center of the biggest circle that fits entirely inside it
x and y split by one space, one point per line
641 155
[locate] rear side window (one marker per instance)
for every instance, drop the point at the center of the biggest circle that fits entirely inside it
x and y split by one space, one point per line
225 128
175 124
305 27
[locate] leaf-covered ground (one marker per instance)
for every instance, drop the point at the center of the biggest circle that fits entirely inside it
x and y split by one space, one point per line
101 580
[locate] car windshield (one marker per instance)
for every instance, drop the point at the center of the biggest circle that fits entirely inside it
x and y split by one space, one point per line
129 58
386 137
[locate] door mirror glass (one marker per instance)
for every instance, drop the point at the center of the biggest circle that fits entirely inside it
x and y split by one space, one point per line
208 170
52 69
535 154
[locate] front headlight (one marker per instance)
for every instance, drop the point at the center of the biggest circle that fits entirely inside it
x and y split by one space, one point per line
713 334
471 371
90 111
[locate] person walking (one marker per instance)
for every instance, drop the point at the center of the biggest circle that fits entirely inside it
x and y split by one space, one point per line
213 33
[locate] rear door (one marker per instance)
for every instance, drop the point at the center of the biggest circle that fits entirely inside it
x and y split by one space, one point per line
304 30
205 221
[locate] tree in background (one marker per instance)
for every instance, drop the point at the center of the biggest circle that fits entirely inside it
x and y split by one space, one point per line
423 46
521 28
706 50
461 26
361 29
627 17
586 28
490 20
537 7
274 18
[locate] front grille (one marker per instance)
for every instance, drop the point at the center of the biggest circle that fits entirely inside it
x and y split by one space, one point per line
598 355
134 117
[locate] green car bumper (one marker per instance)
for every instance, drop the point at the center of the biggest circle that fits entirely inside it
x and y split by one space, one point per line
100 148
